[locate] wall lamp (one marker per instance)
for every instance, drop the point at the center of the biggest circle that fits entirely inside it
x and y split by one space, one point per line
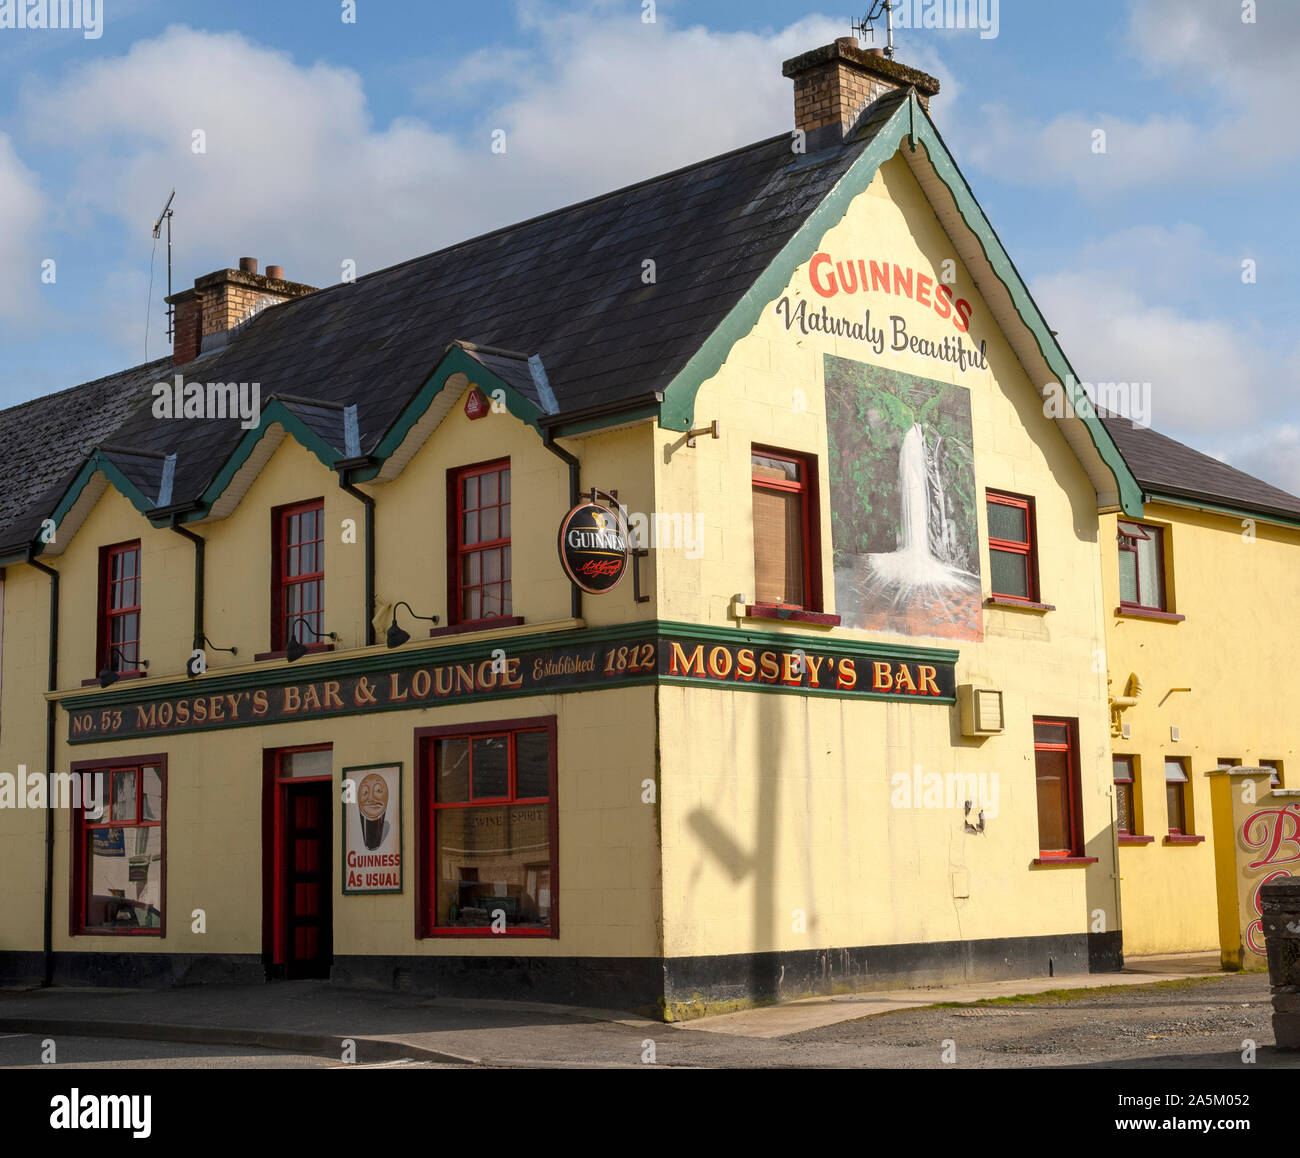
396 636
295 649
195 666
109 675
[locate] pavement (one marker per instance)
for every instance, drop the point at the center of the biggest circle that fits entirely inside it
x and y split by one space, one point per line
376 1027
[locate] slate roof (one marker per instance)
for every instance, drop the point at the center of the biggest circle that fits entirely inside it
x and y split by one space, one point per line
43 443
566 286
1164 466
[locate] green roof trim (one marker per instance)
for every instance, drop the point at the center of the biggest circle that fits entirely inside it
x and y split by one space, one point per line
1215 508
455 361
98 462
274 413
677 412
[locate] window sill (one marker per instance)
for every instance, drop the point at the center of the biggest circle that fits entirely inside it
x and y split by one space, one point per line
1182 838
1018 604
1148 613
312 649
486 931
1134 838
1053 860
478 625
122 675
790 615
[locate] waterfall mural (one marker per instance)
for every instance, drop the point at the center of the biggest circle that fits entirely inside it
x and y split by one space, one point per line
903 513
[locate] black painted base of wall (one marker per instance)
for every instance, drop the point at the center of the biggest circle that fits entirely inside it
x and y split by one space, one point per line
694 986
675 988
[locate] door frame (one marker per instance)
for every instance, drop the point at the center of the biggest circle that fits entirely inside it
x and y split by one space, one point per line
274 954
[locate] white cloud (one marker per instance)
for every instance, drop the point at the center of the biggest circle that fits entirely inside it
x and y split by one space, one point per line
296 172
1242 75
1226 387
21 210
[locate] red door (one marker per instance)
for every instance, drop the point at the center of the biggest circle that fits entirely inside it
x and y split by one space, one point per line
308 933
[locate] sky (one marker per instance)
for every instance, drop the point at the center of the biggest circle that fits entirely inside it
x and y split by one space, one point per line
308 140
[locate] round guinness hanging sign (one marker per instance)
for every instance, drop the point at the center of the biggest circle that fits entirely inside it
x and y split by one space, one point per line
593 547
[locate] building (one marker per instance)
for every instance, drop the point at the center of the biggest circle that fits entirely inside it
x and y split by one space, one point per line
1200 595
841 724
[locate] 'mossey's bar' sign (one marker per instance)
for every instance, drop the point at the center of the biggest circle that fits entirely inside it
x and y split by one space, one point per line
498 670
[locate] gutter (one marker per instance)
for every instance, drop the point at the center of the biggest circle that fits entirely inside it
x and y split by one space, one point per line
345 468
200 571
51 711
575 497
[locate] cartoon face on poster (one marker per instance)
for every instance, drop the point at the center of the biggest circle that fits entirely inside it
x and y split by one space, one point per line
372 829
903 503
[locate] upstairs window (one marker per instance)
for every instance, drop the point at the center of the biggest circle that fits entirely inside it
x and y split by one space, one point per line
1013 552
119 608
1142 567
298 596
480 554
783 530
1275 772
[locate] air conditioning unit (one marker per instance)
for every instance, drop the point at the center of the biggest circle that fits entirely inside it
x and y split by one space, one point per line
981 710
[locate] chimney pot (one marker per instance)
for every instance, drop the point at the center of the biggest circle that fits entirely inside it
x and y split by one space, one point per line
850 41
248 264
275 271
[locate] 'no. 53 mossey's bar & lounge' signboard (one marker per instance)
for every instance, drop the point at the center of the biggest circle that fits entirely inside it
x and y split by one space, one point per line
521 666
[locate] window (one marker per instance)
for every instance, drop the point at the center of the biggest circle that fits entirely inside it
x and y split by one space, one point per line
1177 786
1055 769
491 864
1013 553
119 609
784 543
119 848
480 556
1125 788
1275 780
298 597
1229 761
1141 567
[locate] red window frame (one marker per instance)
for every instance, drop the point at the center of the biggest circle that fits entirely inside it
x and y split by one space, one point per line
1180 787
806 488
1028 549
284 581
427 809
82 827
111 611
460 552
1070 747
1158 535
1126 820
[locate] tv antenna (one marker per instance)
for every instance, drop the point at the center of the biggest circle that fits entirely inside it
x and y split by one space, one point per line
166 215
867 23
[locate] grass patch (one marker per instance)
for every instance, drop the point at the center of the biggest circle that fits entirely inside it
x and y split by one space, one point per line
1062 996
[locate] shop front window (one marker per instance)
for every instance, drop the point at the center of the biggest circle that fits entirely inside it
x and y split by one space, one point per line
119 849
493 859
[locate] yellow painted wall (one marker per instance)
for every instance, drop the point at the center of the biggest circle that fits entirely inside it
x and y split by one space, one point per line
1239 588
780 803
608 836
23 657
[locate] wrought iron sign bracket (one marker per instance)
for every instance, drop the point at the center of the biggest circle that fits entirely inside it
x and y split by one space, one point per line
638 553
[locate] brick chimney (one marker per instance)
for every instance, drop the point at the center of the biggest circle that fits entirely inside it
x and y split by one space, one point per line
220 303
835 85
